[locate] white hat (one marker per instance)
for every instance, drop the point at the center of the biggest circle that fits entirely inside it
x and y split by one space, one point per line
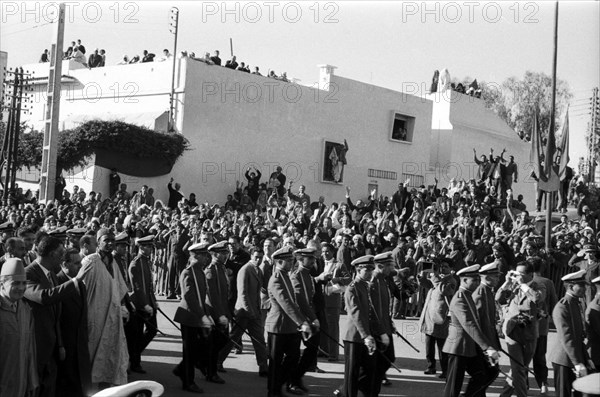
131 388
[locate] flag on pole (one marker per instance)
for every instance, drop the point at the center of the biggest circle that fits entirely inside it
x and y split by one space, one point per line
535 156
550 150
563 146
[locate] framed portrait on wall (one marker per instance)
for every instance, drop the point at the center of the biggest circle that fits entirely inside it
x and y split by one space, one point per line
334 161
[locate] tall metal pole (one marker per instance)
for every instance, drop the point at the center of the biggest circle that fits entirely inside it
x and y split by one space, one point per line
16 131
50 148
550 161
174 28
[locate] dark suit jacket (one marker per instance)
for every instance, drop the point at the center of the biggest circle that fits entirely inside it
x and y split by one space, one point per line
45 303
249 283
569 349
74 373
592 319
192 306
284 316
465 333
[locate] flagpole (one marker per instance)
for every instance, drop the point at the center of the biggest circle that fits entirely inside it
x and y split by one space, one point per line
549 160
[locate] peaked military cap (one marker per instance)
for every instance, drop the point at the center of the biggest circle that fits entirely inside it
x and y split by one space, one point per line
364 261
285 252
199 247
470 271
490 268
575 278
305 252
219 247
384 257
58 232
6 226
122 238
77 231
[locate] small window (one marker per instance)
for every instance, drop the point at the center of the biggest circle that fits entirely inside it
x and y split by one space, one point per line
402 130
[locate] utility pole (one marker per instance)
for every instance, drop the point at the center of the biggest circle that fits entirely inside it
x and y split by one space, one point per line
9 154
174 29
594 131
50 145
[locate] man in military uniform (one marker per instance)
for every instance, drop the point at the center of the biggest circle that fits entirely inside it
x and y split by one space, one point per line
592 322
142 324
73 236
468 347
192 314
304 291
282 323
218 308
121 255
485 302
539 357
569 356
381 300
359 341
523 298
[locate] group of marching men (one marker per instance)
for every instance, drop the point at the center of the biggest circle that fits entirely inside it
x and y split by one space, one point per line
471 340
468 298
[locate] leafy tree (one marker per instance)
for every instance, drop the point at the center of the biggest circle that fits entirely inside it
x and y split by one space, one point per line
516 101
30 146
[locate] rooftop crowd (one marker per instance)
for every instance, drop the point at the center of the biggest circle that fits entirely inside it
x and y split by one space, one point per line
77 52
64 256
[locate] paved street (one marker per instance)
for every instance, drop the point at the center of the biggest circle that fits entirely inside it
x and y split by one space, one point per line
242 378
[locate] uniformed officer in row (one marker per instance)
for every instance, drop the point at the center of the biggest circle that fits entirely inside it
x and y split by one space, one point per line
121 255
468 347
73 236
142 325
304 291
381 299
484 298
283 322
360 344
569 356
192 314
592 321
218 308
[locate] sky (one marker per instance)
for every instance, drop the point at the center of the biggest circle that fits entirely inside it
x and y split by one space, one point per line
396 45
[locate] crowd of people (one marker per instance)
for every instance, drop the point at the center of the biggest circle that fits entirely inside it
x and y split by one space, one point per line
80 276
441 82
76 52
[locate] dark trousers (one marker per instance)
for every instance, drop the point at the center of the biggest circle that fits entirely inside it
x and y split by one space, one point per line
359 370
174 269
482 375
256 330
47 375
383 361
139 331
193 341
307 359
212 345
563 380
284 352
430 343
540 369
